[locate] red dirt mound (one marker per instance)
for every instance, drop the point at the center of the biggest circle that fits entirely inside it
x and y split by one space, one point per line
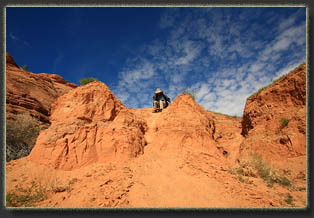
185 124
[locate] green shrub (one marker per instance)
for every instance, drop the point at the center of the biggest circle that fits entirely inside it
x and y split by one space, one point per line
25 67
284 122
289 199
26 197
21 135
283 181
186 91
85 81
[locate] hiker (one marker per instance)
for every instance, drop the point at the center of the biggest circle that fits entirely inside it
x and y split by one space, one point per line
160 100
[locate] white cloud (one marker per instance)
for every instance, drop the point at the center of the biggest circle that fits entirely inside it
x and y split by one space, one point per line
290 66
256 67
142 71
209 97
204 90
294 34
123 96
176 78
222 59
190 51
287 22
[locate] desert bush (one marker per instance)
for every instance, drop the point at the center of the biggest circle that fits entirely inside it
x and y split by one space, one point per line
253 165
26 197
284 122
39 190
25 67
57 186
247 181
289 199
21 135
85 81
186 91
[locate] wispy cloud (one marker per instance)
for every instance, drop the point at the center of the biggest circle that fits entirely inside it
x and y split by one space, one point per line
136 77
168 19
13 37
220 54
17 39
57 61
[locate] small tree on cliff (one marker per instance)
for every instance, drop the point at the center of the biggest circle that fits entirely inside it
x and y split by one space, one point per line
85 81
25 67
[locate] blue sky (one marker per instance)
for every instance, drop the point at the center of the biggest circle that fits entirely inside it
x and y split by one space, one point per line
223 54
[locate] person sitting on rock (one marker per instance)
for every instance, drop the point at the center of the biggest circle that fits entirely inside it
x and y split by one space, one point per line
160 100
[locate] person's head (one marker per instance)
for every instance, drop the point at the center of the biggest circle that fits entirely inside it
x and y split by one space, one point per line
158 91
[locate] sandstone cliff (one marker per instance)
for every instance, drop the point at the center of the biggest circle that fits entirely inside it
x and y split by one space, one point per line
32 93
274 119
89 124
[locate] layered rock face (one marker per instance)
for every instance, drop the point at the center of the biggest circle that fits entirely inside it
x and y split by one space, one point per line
31 93
274 120
89 124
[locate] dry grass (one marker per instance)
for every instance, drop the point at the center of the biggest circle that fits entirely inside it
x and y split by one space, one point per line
26 197
253 165
284 122
186 91
39 190
226 115
287 200
21 135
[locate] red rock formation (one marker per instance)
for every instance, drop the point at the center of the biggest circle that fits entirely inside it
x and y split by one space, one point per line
227 135
89 124
182 148
185 124
262 118
32 93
